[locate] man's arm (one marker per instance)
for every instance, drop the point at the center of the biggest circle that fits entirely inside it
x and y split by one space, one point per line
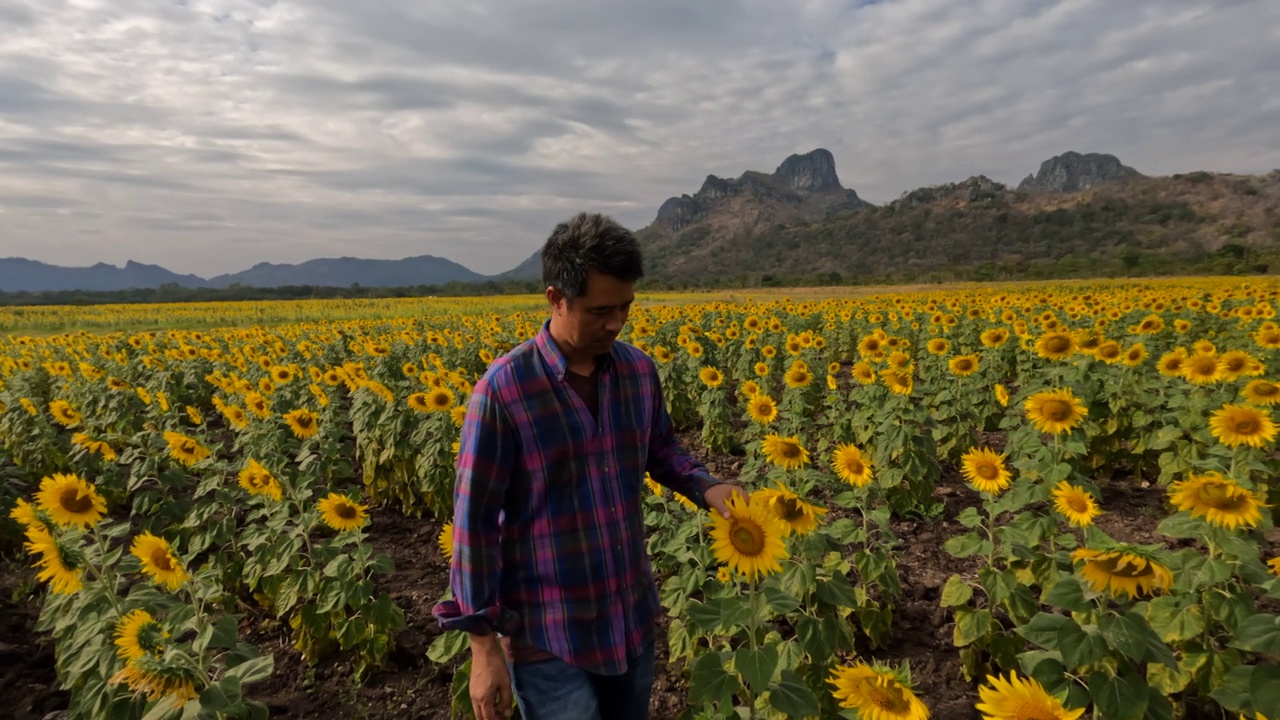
671 465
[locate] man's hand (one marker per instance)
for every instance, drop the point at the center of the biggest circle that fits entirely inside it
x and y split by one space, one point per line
490 679
717 497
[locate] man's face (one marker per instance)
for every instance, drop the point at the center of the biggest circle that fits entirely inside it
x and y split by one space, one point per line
595 319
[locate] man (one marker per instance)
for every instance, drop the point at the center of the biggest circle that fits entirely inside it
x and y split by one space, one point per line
549 549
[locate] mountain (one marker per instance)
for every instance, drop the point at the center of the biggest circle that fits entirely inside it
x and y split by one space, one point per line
345 271
21 274
1072 172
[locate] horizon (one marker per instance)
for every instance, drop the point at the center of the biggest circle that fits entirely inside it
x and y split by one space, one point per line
390 130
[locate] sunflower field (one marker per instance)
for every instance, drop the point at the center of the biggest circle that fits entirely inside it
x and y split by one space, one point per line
1062 493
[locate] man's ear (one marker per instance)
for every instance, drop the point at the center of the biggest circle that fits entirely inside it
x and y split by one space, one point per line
554 297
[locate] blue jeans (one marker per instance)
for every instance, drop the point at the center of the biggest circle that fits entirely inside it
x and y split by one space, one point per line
555 690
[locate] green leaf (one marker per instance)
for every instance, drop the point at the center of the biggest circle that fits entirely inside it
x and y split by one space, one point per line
971 625
222 696
1045 629
1046 667
837 592
1079 647
799 579
969 517
1260 634
448 646
780 600
756 666
1058 473
1118 698
1264 687
956 592
1182 526
710 682
1124 635
1173 619
792 697
817 635
1067 594
962 546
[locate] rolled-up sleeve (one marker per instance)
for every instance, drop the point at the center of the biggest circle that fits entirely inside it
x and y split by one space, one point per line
486 456
669 463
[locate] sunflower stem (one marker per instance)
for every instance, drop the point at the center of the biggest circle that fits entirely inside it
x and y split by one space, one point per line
102 573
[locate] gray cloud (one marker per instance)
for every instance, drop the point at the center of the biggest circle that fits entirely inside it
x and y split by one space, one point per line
208 136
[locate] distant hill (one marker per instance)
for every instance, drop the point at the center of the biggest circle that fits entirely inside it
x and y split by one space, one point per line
1072 172
22 275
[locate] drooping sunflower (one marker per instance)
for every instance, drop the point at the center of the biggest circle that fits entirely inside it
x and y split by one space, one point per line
985 470
1020 699
785 452
158 560
1002 395
60 564
1122 570
863 372
1055 411
1075 503
797 516
64 413
1235 425
654 486
26 514
70 500
259 481
750 541
1055 345
340 513
158 679
186 450
710 377
138 634
445 541
1202 368
762 409
852 467
963 365
877 694
1261 392
1219 500
302 422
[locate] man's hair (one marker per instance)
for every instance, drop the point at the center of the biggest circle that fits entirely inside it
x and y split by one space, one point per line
586 242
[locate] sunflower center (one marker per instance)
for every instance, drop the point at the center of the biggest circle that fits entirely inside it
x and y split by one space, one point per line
789 450
304 421
1235 364
1057 344
1077 504
1031 710
1221 497
160 559
788 509
1246 425
854 466
1266 389
987 471
964 365
1057 410
1133 568
73 501
1203 366
747 537
344 511
887 696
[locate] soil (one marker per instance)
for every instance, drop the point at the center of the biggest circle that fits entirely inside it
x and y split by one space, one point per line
412 687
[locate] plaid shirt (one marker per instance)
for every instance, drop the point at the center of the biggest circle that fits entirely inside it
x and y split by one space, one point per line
548 540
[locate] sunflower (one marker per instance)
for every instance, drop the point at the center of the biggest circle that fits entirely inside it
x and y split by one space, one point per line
1109 352
798 377
1002 395
70 500
184 449
785 452
340 513
710 377
985 471
158 679
750 540
1202 368
876 694
863 373
899 381
938 346
1020 699
1261 392
1055 345
1219 500
899 360
761 369
1075 503
1055 411
654 486
1170 364
1134 355
458 414
29 406
257 405
994 338
762 409
1235 425
963 365
302 422
851 466
116 383
724 574
64 413
440 399
60 565
259 481
158 560
26 515
445 541
1122 570
138 634
1274 566
235 416
797 516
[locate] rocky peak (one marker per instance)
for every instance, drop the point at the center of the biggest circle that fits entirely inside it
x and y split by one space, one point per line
814 171
978 188
1073 171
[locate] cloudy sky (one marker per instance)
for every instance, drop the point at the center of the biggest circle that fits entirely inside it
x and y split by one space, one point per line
208 135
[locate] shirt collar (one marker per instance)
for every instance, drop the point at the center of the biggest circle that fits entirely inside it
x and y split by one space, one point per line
555 359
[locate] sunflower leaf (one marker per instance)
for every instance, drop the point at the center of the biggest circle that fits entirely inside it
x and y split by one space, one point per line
1067 594
756 666
1260 634
1182 526
1044 629
1118 698
710 682
792 697
955 592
